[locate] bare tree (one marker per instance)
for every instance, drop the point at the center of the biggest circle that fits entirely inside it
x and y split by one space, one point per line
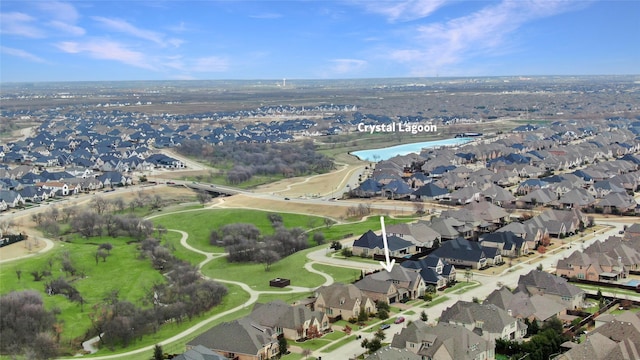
99 204
203 197
268 258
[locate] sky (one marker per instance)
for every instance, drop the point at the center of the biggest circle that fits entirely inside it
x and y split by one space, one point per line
306 39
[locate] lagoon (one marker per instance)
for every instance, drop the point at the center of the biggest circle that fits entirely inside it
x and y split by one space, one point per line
404 149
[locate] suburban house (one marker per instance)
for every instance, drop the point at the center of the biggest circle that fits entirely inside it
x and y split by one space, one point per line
340 301
199 352
486 320
294 322
462 253
370 244
407 283
608 260
433 270
443 341
389 353
555 287
509 244
422 236
240 339
520 305
618 338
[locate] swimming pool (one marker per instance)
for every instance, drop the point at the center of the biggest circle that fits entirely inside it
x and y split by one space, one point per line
633 283
404 149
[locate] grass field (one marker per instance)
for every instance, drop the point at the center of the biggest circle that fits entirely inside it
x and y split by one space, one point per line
254 275
339 274
134 277
198 224
339 232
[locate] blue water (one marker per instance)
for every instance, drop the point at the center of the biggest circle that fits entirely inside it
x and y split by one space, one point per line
404 149
633 283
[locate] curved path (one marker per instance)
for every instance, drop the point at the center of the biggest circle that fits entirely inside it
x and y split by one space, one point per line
253 296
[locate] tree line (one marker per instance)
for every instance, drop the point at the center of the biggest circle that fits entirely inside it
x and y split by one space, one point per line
248 159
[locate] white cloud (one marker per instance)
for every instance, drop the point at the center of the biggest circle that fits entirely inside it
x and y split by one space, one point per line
107 50
405 10
21 24
59 10
21 54
443 45
67 28
344 66
123 26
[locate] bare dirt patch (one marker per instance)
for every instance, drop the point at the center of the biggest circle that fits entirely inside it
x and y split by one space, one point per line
317 185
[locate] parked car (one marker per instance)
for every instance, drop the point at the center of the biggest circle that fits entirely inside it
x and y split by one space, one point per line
385 326
399 320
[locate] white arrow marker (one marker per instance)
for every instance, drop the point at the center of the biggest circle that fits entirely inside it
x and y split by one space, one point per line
386 265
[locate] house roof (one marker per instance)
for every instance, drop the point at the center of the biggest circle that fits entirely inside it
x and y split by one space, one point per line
199 352
370 240
242 336
461 249
454 340
493 318
551 284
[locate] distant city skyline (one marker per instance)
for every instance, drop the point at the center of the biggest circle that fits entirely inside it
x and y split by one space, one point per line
211 40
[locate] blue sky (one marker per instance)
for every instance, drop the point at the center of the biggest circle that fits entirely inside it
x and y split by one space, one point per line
297 39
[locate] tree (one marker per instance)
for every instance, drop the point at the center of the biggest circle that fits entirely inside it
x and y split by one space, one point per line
336 245
306 353
383 314
268 258
423 316
380 334
106 246
19 273
203 197
362 315
327 222
371 345
418 207
99 204
282 345
275 219
468 275
318 237
157 353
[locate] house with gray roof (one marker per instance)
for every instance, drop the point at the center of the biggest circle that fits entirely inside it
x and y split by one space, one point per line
407 283
433 270
418 233
538 308
486 320
294 322
389 353
618 338
199 352
239 339
370 244
340 301
556 287
443 341
462 253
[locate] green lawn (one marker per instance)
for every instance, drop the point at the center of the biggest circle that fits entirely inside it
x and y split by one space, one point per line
254 275
134 277
338 232
172 240
198 224
339 274
340 343
437 300
462 287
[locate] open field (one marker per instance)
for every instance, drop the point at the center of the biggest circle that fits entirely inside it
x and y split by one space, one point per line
198 223
254 275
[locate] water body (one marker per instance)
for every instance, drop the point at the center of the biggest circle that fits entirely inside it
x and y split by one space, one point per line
404 149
